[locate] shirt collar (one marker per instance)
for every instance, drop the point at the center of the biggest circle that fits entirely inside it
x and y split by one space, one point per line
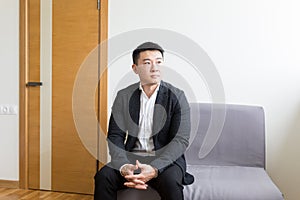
156 90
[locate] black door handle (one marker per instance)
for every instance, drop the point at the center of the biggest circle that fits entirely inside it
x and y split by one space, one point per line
34 84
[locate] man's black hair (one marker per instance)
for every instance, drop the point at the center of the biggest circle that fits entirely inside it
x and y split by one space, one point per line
144 47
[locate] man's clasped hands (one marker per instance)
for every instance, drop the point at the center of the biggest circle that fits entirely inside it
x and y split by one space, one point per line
138 181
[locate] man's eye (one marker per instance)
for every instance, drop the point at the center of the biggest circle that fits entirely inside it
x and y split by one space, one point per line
146 63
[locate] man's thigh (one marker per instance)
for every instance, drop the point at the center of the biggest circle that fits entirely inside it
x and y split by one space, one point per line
107 175
169 183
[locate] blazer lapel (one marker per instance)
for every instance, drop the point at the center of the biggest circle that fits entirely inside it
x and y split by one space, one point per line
134 111
160 112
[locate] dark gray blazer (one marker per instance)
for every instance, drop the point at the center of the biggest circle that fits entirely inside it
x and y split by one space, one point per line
171 127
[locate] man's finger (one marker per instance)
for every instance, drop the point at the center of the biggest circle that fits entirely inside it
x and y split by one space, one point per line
136 181
141 187
135 176
136 186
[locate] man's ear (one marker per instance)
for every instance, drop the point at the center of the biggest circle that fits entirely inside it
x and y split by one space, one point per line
134 68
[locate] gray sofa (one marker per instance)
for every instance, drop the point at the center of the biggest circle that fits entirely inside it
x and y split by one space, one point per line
226 156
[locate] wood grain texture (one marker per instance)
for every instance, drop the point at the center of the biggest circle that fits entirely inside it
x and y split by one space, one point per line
103 102
33 72
20 194
75 35
9 184
23 142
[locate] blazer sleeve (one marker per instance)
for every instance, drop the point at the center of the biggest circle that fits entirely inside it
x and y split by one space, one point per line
116 135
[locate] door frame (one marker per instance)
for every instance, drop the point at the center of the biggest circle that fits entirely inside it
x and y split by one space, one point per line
23 96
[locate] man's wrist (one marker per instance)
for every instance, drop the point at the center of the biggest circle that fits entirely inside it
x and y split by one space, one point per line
155 171
121 172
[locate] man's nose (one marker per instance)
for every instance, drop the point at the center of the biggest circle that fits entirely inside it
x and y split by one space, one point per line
154 67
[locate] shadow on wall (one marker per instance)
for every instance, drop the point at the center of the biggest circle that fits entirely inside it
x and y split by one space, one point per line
288 160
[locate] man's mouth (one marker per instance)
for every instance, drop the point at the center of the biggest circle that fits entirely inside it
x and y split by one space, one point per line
155 76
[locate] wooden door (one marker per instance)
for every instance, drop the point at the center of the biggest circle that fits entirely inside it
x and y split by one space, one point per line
56 159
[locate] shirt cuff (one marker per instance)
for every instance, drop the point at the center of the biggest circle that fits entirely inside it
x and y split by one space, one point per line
120 170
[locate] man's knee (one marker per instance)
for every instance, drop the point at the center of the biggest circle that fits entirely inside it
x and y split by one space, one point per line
105 173
170 180
172 174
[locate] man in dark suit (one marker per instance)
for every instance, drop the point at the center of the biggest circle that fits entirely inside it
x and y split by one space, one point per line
148 133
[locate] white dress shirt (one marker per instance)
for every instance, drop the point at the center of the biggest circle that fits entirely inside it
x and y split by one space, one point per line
144 145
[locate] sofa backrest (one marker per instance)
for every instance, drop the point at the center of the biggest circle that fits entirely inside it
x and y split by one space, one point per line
226 135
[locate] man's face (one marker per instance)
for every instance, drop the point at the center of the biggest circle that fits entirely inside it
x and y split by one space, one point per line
148 67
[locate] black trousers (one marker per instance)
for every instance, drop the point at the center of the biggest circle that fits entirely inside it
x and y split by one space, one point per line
168 184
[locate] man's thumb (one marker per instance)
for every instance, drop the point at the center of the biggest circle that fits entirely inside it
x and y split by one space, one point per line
138 163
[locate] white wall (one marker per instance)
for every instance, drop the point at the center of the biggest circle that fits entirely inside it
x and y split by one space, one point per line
255 47
9 88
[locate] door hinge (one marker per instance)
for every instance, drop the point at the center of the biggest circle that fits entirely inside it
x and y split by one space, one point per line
98 4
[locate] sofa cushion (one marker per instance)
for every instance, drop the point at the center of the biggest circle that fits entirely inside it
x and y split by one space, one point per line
219 183
230 183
